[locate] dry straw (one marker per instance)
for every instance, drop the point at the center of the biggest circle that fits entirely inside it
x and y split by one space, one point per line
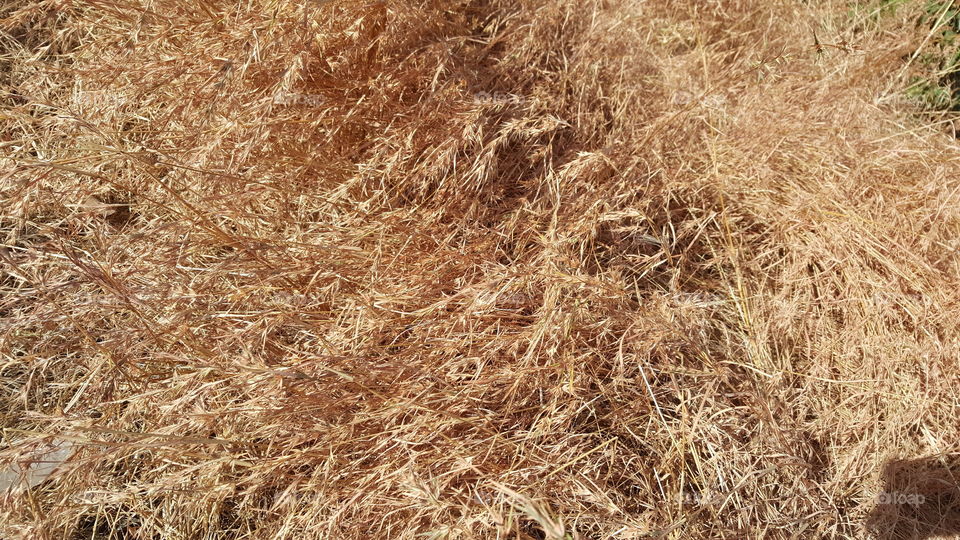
471 269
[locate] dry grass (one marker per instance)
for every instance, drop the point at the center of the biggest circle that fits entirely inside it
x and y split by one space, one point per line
474 269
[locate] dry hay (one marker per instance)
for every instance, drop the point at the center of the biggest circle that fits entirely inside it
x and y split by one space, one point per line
474 269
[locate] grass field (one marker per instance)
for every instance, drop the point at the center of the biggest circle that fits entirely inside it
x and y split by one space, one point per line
479 269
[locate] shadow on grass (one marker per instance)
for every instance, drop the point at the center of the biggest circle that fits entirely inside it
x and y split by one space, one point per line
920 499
